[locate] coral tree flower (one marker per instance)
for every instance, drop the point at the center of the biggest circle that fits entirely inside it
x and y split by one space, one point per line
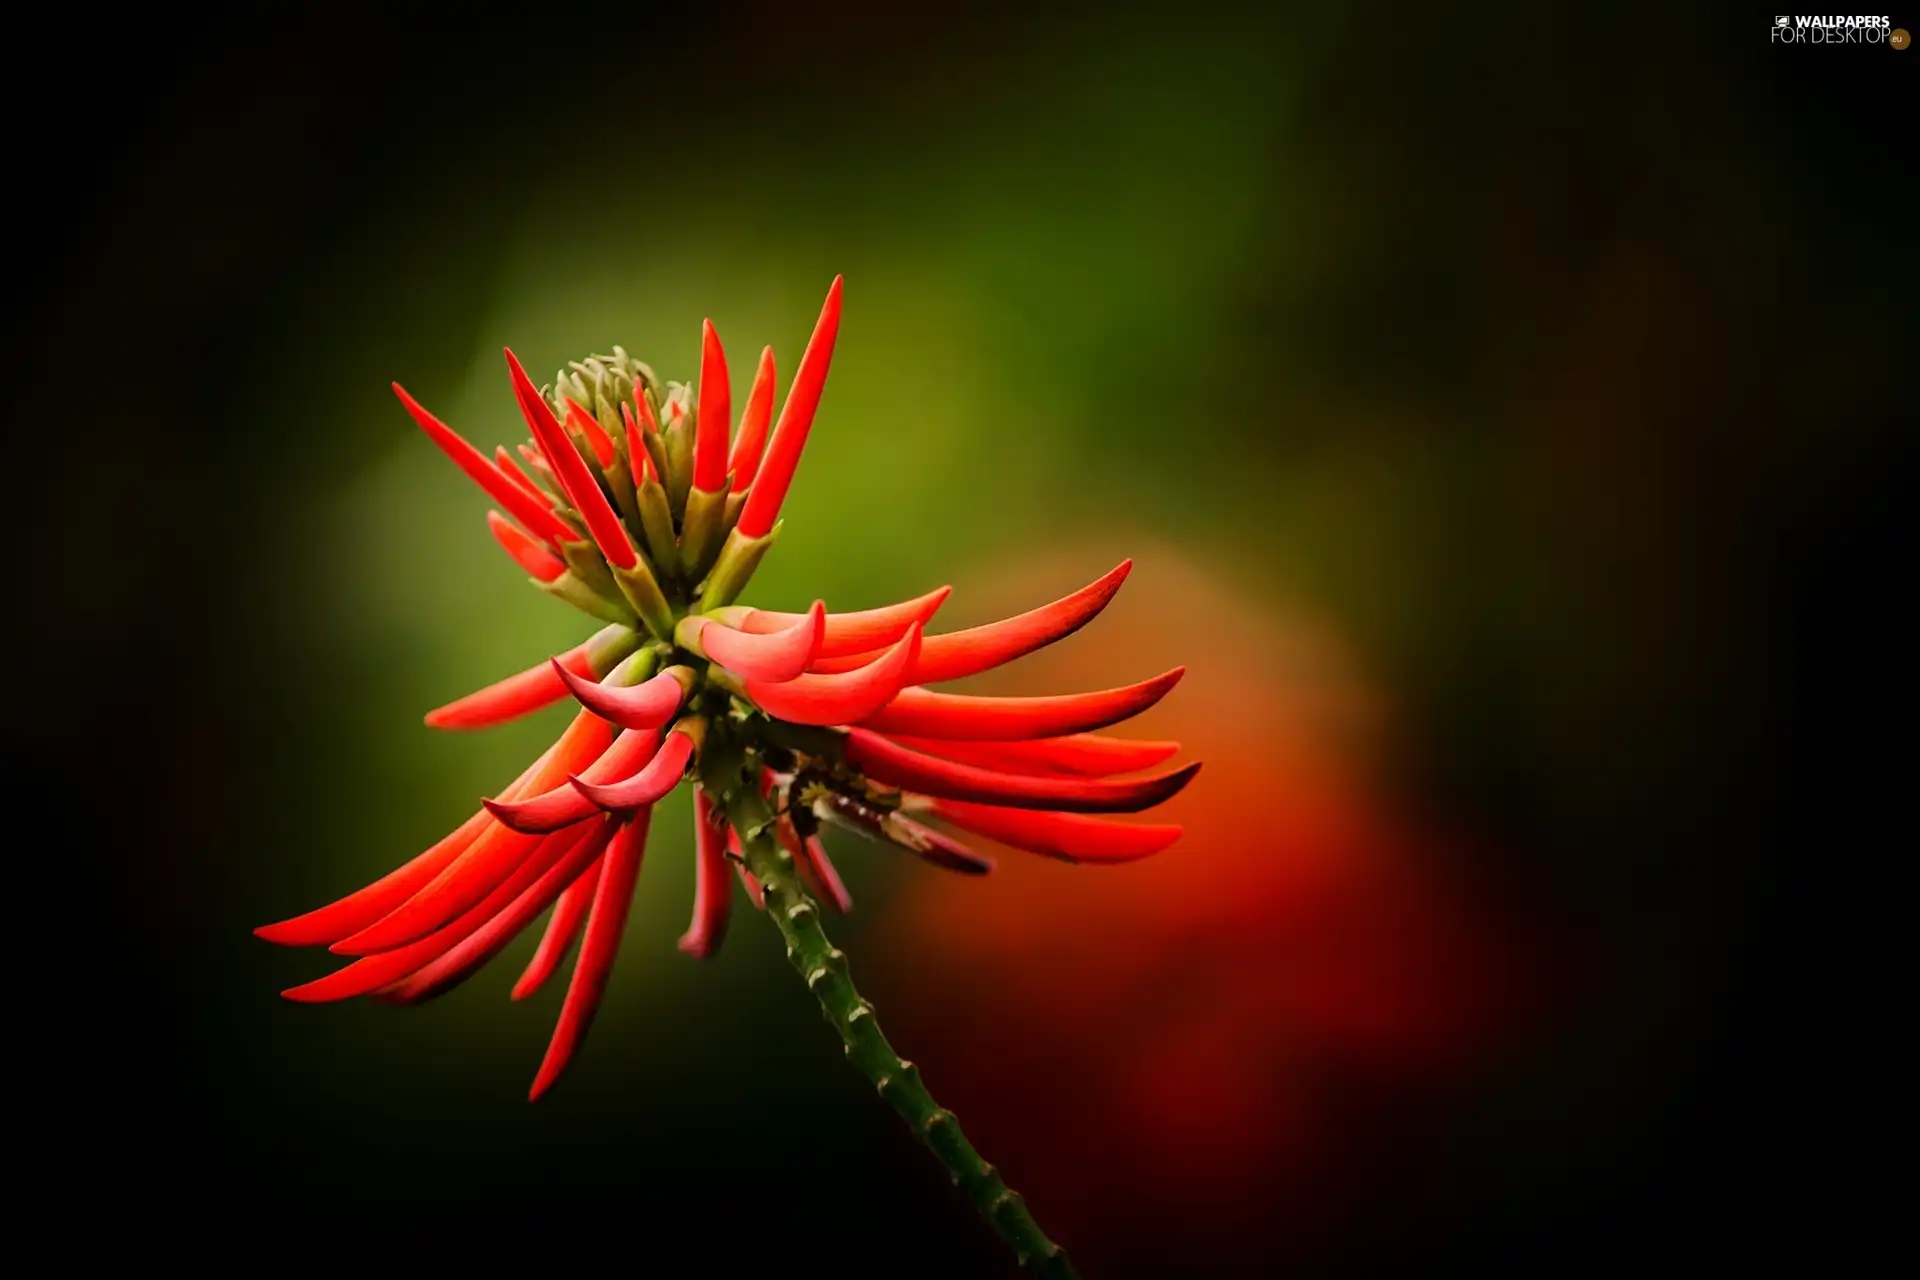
655 530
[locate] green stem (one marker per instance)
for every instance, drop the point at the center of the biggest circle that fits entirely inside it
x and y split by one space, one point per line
726 773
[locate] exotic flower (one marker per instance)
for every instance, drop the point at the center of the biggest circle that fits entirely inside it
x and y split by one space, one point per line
785 722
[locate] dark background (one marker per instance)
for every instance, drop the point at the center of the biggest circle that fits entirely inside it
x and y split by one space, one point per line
1555 358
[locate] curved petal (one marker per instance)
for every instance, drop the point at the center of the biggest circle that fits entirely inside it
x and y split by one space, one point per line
536 687
647 705
489 860
888 762
1087 755
592 432
662 774
855 633
839 699
962 718
977 649
1070 837
563 805
775 655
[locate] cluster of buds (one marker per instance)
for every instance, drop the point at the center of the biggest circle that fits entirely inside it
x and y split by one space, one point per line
639 504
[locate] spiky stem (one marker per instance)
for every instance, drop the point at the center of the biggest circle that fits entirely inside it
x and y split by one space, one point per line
730 774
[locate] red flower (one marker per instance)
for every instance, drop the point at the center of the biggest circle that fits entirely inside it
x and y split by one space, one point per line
655 530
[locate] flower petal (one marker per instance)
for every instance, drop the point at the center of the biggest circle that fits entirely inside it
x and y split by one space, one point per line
489 860
342 919
1070 837
911 770
752 440
712 892
569 913
796 419
581 849
582 490
1085 754
815 870
592 432
536 687
511 470
715 416
606 921
854 633
526 551
662 774
839 699
369 973
962 717
774 655
977 649
563 805
534 514
643 706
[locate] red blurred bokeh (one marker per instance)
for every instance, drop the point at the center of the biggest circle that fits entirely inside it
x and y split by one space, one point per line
1184 1056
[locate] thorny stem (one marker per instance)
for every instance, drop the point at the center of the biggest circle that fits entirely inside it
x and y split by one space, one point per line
726 773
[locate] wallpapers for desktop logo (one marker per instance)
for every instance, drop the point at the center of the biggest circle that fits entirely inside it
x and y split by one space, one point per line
1837 29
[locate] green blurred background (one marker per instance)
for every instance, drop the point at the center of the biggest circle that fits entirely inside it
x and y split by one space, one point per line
1500 405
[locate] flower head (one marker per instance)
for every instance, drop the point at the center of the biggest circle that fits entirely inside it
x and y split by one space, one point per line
640 505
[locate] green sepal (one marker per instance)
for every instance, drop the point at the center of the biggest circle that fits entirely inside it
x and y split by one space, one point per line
656 450
738 559
610 645
642 591
620 480
656 523
635 669
589 566
569 588
736 502
701 532
679 472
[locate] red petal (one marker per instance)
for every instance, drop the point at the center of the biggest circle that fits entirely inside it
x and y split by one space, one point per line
643 706
372 972
511 470
488 860
716 414
1085 754
960 717
590 429
796 419
753 425
642 461
930 775
612 898
832 889
977 649
773 655
538 462
647 787
839 699
645 408
581 850
532 513
850 633
569 913
526 552
712 895
582 490
563 805
516 696
361 908
1071 837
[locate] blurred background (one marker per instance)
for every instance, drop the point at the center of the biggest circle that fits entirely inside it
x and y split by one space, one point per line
1500 407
